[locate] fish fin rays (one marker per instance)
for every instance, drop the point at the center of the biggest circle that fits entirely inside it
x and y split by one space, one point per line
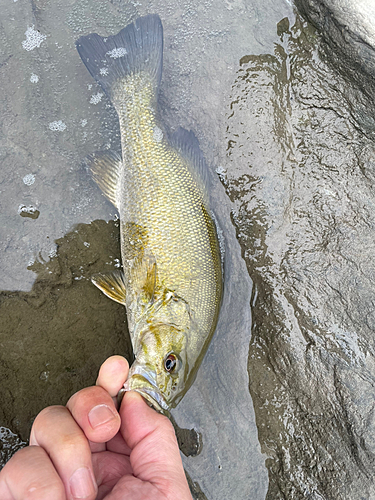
145 270
137 47
186 143
112 285
105 168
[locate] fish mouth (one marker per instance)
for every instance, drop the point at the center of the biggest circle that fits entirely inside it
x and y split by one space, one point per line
143 381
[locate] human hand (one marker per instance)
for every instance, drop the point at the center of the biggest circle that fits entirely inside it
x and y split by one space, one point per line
89 450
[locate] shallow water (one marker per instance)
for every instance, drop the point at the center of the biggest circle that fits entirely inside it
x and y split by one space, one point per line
56 328
292 143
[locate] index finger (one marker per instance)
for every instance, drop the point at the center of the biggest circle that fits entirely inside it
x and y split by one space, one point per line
112 374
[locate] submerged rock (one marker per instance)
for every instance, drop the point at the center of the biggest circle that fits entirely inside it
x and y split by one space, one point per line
301 176
63 324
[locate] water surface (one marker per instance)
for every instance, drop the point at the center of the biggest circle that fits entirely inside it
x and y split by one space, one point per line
56 229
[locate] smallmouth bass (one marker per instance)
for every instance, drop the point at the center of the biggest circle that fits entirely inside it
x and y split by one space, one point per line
171 284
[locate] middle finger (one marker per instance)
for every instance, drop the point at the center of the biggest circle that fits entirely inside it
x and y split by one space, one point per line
56 431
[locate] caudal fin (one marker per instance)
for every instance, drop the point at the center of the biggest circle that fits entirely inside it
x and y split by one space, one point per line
136 48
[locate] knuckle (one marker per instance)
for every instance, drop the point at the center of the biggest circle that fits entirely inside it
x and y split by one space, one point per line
48 414
166 428
72 441
44 490
30 476
25 455
84 397
44 420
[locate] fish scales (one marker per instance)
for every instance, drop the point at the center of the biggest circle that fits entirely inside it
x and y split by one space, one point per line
172 280
161 197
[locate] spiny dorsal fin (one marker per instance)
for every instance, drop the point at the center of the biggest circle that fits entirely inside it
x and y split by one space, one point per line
187 145
105 167
111 284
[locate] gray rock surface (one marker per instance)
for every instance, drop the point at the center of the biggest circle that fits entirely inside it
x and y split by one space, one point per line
348 28
301 175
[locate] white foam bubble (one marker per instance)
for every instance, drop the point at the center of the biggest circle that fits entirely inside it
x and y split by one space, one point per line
103 71
34 78
29 179
28 210
52 253
34 38
117 52
57 126
96 98
222 173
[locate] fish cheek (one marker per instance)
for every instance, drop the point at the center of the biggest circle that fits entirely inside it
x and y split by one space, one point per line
171 386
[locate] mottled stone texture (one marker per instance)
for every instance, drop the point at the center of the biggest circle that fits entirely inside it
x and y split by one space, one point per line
300 173
348 28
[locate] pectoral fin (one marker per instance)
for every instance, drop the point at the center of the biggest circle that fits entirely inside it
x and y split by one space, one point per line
111 284
145 273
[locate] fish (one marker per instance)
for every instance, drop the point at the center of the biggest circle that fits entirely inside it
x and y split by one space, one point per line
171 281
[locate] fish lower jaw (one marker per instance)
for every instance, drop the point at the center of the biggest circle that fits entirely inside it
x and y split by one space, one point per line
148 391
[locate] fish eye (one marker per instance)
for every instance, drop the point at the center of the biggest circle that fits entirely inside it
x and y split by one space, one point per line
170 362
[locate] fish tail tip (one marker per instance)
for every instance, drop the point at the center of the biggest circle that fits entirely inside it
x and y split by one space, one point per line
137 47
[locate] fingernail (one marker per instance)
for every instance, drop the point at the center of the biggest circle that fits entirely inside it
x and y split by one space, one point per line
100 415
82 483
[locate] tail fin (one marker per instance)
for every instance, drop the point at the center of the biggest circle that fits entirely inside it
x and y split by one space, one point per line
136 48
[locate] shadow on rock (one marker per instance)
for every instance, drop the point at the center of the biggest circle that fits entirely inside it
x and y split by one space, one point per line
55 337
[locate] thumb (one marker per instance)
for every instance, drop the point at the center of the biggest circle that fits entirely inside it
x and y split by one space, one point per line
155 456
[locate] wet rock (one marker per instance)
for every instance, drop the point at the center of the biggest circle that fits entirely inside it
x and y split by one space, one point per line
195 489
300 174
189 440
349 32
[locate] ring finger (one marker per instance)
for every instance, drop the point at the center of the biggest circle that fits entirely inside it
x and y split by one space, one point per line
56 431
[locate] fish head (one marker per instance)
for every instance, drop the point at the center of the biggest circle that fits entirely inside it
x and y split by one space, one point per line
160 369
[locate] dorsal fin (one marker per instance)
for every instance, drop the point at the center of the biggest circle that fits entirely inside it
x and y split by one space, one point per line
105 167
185 142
